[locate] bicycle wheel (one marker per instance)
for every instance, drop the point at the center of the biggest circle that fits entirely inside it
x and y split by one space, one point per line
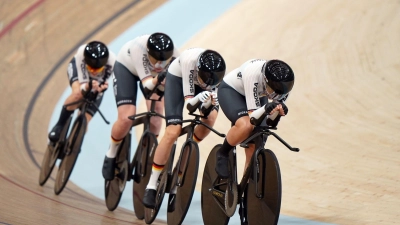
264 196
51 154
142 170
151 214
212 198
72 149
179 203
113 189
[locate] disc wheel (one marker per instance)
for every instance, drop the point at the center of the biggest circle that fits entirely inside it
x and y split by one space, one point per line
143 162
212 198
264 192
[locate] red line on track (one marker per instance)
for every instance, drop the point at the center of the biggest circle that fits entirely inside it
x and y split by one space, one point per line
74 207
20 17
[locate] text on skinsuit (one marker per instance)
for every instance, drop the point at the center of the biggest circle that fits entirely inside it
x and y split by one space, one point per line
124 101
242 112
145 63
174 120
255 94
191 84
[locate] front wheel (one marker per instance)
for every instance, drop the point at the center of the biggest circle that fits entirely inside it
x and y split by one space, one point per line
48 162
114 188
183 183
51 154
72 149
142 162
264 192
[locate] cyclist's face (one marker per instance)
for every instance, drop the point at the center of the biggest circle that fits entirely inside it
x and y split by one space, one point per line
94 71
157 64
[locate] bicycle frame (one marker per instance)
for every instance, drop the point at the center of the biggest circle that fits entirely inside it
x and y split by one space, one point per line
189 130
261 133
144 118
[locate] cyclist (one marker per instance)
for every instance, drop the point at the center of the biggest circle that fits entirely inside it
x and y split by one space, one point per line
143 59
191 78
256 85
91 61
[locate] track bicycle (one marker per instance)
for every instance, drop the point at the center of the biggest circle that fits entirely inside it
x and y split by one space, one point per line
180 181
68 147
259 192
139 169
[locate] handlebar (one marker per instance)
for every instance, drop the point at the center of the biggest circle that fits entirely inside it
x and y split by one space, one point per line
90 99
260 130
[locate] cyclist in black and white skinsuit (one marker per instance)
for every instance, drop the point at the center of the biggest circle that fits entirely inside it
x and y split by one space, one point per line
92 61
258 87
143 60
191 79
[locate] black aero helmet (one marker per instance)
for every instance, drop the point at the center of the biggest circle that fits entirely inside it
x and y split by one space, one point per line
160 46
96 54
211 67
279 76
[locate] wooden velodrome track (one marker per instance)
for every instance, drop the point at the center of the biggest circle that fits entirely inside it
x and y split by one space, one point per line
343 112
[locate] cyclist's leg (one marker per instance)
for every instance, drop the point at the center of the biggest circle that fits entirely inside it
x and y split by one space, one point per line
76 95
125 90
235 108
174 101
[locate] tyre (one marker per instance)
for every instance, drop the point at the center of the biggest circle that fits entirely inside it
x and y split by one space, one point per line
264 192
142 162
72 149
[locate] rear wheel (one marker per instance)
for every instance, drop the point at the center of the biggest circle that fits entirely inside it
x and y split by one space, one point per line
114 188
142 162
72 149
183 184
264 192
212 198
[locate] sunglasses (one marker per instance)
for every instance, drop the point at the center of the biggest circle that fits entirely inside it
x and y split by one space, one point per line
94 70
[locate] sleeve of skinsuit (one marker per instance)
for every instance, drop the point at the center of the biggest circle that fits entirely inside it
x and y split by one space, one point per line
83 75
188 61
109 67
139 57
252 82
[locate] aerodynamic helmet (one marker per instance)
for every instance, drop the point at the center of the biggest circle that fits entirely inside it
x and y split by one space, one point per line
278 76
211 67
96 54
160 46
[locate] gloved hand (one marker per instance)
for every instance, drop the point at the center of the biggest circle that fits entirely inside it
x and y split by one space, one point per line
161 76
214 99
203 96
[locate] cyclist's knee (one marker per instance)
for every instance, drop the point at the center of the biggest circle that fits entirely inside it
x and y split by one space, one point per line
244 124
172 132
212 117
